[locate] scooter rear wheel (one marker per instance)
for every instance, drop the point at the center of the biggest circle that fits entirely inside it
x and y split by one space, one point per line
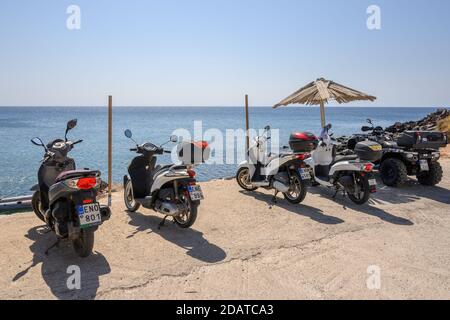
364 190
188 218
297 190
84 244
128 196
37 206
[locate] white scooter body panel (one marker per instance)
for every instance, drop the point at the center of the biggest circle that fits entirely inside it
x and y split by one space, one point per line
323 156
166 176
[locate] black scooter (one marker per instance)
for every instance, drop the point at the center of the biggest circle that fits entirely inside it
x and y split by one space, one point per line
65 198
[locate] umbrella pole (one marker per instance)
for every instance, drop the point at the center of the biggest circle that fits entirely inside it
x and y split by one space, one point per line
322 114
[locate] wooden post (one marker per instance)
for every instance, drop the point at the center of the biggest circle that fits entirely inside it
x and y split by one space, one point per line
109 150
322 114
247 127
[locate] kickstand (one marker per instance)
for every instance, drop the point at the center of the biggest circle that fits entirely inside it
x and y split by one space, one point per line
274 199
161 224
52 246
335 194
344 193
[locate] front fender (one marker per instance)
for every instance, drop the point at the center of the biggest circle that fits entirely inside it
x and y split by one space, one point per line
244 164
125 180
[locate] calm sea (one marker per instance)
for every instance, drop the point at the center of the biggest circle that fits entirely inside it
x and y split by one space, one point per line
19 159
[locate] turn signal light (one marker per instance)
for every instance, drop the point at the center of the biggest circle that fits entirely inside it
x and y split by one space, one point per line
302 156
86 183
368 167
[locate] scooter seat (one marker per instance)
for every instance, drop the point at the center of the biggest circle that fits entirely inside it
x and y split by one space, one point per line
71 174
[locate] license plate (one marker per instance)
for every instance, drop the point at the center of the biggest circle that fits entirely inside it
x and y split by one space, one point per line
195 192
89 215
304 174
372 182
424 165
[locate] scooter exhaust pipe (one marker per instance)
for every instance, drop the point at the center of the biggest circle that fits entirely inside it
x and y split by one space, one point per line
167 208
280 187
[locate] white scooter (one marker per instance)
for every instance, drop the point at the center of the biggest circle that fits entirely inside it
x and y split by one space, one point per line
171 189
285 173
343 173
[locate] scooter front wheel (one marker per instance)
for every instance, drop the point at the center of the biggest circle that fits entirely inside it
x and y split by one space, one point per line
37 205
243 179
131 204
84 244
297 190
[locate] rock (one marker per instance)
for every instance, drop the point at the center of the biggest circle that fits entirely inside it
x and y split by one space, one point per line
429 123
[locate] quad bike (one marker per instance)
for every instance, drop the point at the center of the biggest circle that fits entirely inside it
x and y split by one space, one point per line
405 154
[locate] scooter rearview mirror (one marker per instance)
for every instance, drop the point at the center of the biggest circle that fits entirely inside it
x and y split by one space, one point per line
70 125
128 134
173 138
37 142
267 128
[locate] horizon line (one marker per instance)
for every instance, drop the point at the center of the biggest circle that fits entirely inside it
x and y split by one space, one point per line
173 106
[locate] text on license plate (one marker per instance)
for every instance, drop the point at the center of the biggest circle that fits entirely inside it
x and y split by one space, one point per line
424 165
89 214
304 174
195 192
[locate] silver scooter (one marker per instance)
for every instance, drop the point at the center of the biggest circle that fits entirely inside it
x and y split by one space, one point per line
170 190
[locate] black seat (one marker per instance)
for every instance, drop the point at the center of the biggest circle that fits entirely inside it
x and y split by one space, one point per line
71 174
390 144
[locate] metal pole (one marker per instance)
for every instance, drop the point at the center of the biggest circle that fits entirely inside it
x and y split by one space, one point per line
322 114
247 127
109 150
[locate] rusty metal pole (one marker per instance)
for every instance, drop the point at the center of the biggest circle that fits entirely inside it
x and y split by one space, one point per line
247 126
109 150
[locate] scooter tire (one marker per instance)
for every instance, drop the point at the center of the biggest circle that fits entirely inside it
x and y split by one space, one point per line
132 206
193 209
84 244
302 194
366 187
239 176
36 205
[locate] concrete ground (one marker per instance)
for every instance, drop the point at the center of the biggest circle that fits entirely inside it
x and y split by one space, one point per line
242 247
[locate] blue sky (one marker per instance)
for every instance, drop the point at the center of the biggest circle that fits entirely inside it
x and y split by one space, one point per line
211 53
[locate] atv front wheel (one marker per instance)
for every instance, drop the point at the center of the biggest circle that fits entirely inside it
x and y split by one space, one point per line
431 177
393 172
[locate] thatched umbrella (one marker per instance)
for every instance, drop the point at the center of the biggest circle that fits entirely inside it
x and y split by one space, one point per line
321 91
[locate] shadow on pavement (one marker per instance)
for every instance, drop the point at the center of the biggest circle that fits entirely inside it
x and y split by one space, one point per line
313 213
189 239
365 208
54 266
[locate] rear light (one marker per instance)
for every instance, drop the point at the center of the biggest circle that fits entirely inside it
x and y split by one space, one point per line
419 137
201 144
86 183
302 156
87 201
368 167
191 173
